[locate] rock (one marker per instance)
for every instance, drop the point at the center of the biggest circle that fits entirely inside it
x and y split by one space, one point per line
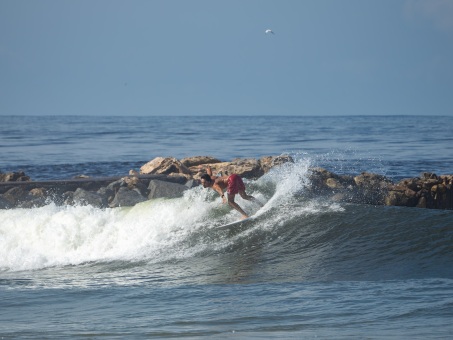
14 177
83 197
135 183
81 176
192 183
133 173
246 168
165 166
411 183
447 179
334 183
319 178
161 189
33 203
269 162
4 203
401 196
108 194
340 188
428 175
38 192
127 198
67 198
371 188
198 160
35 198
116 185
421 202
15 195
347 181
369 180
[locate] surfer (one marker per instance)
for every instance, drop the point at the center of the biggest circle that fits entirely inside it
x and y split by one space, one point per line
233 185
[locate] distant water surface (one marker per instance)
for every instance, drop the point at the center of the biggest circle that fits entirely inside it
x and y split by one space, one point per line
59 147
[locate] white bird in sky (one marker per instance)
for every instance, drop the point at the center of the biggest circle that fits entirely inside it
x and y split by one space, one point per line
268 31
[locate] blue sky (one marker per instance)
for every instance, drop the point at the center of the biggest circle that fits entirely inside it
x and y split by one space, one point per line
327 57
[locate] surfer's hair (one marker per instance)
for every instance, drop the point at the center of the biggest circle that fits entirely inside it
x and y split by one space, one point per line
207 178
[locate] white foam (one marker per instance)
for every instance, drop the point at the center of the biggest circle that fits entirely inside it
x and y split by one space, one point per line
53 236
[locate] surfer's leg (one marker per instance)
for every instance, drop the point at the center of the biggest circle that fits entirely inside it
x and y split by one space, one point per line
236 206
249 198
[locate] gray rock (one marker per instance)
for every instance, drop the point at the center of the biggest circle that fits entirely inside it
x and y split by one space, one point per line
83 197
4 203
67 198
108 194
127 198
15 195
115 186
161 189
192 183
35 202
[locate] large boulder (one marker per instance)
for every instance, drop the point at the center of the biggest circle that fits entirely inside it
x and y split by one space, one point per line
372 188
36 197
16 195
83 197
128 182
246 168
108 194
198 160
165 166
127 198
161 189
268 162
340 188
135 183
401 196
320 177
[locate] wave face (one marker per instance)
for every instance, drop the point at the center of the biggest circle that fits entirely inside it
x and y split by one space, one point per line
292 238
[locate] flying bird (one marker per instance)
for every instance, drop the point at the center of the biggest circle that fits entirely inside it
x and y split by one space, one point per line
268 31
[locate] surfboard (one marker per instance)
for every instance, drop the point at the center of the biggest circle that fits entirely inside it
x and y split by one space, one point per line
235 223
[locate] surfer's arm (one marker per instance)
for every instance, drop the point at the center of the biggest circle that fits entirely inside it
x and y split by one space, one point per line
209 170
217 188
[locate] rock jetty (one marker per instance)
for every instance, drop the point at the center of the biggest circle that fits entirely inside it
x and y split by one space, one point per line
169 177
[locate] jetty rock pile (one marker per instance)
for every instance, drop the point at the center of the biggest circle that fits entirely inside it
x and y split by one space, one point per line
167 177
161 177
427 191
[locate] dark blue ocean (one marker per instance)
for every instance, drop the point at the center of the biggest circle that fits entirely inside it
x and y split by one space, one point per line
304 268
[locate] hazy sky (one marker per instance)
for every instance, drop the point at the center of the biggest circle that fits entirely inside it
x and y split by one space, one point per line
156 57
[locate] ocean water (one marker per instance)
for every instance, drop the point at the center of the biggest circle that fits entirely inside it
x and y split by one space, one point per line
302 268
